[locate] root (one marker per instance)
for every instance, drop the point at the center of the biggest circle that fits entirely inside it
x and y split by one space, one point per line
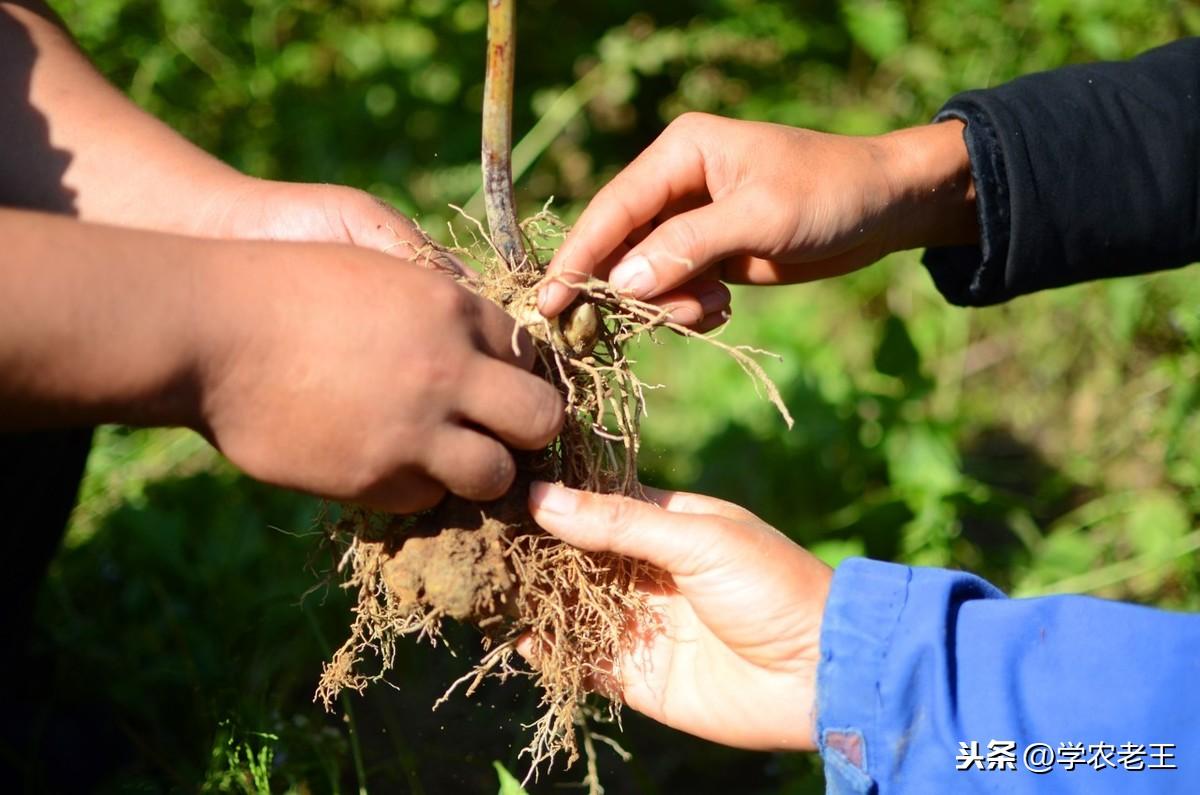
488 564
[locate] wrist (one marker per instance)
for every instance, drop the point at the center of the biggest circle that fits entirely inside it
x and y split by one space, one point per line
220 208
931 191
822 581
103 326
157 352
232 278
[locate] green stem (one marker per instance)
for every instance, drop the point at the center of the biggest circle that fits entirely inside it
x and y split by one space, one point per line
1119 572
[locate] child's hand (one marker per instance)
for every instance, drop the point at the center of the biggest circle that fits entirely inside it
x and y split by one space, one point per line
735 657
757 203
252 209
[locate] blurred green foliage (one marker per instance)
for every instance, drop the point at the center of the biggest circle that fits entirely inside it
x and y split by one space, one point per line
1050 445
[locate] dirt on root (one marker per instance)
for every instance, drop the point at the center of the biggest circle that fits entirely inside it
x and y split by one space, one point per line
459 572
455 561
488 564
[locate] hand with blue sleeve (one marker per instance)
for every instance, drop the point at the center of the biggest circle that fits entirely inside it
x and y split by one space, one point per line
735 657
907 680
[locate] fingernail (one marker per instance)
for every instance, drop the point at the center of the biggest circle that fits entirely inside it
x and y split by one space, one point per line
634 276
685 314
551 498
551 298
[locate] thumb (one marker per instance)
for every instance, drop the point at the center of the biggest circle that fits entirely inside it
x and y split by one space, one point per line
684 246
682 544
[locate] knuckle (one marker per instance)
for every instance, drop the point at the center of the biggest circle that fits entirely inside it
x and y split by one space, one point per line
351 197
682 240
612 210
450 300
689 122
439 371
617 515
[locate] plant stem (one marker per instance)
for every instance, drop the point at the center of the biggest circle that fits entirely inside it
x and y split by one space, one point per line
497 134
562 111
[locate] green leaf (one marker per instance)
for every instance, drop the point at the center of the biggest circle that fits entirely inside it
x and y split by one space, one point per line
833 551
1158 520
878 26
508 783
896 355
922 463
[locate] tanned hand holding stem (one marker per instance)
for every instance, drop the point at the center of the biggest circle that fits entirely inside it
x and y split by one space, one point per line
268 348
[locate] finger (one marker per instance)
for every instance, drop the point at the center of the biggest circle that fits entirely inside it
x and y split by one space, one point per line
605 266
618 254
599 679
406 491
667 170
756 270
686 502
528 416
638 235
496 333
531 649
471 464
678 543
684 246
713 321
695 301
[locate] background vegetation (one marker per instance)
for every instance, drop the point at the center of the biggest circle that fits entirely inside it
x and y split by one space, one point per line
1050 445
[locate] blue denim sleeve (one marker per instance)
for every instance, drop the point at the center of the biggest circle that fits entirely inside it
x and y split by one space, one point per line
926 671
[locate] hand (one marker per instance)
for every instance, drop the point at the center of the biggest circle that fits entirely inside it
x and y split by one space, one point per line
343 373
253 209
755 203
735 656
149 177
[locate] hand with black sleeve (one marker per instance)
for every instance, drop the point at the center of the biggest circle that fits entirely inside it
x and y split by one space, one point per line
1080 173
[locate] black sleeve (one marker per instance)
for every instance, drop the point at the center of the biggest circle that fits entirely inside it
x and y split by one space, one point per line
1081 173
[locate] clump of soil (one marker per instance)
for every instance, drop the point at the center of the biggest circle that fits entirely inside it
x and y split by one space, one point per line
460 572
488 563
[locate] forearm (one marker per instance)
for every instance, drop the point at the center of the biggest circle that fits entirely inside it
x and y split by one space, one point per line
100 324
76 145
917 661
